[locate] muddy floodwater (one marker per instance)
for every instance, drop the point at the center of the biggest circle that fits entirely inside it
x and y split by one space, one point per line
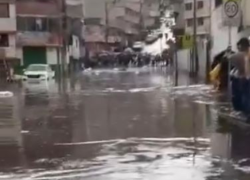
110 124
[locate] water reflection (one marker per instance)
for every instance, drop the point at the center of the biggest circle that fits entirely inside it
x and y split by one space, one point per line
10 133
133 121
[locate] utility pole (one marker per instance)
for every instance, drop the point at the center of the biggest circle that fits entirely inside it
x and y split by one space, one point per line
63 31
63 59
195 56
106 23
141 19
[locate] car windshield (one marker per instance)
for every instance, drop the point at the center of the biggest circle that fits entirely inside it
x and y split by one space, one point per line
36 68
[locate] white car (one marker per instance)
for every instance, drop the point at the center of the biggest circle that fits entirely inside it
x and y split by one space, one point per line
38 72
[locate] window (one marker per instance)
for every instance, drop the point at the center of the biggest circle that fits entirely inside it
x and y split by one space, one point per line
189 22
21 24
4 40
188 6
4 10
200 5
218 3
33 24
200 21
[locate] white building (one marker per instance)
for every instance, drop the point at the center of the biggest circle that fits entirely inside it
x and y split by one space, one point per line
7 30
219 32
203 16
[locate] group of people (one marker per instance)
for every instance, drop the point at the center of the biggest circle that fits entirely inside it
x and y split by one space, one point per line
234 68
126 58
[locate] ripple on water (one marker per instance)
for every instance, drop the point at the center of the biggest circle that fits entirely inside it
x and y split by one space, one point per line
173 159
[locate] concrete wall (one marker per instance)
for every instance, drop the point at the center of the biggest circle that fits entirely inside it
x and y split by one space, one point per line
19 54
9 24
204 29
183 58
201 13
202 54
94 9
205 11
51 54
10 52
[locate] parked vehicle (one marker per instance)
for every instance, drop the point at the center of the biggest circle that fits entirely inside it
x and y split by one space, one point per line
38 72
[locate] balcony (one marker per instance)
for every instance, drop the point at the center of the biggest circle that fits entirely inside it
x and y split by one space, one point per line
38 39
7 25
7 52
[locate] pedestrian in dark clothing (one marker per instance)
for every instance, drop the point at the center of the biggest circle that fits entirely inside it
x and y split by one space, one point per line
222 59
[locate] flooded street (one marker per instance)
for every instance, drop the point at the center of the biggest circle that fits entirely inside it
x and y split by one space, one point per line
112 124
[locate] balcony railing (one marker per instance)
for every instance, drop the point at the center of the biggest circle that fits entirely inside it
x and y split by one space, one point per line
7 52
38 39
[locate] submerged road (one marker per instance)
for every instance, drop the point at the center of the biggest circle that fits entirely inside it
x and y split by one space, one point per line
111 124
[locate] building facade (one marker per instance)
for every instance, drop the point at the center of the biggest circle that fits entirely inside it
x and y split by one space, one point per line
123 21
8 31
203 8
38 37
43 25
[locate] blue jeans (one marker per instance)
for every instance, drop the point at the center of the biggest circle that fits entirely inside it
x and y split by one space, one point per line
237 93
246 96
241 94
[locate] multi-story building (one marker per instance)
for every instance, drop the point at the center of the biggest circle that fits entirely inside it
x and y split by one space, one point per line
41 33
203 8
151 14
8 31
38 37
122 20
95 18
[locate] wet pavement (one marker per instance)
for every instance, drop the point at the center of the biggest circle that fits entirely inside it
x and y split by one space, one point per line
112 124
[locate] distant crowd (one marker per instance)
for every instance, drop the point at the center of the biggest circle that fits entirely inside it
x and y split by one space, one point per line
126 58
